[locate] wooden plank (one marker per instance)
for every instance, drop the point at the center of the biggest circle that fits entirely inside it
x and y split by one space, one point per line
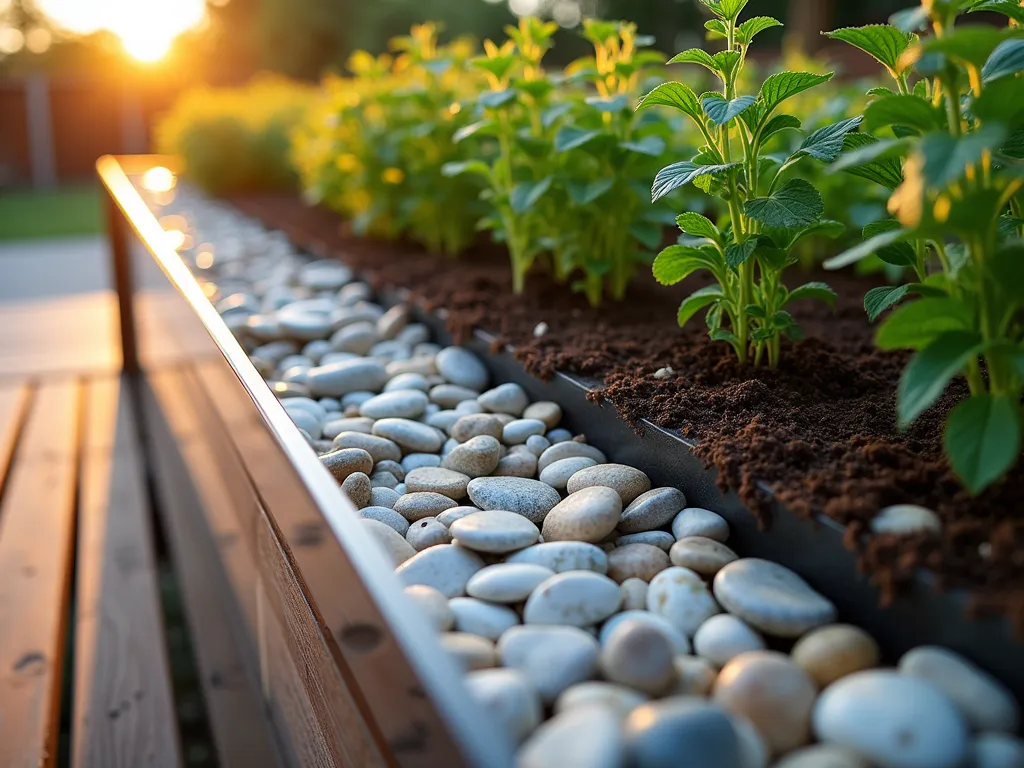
37 526
123 713
14 400
238 718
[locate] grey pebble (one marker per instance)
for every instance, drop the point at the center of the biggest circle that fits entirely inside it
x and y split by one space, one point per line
566 450
387 516
544 410
384 497
559 436
476 457
349 376
412 436
530 498
561 556
480 618
379 448
473 425
661 539
695 521
659 732
449 516
389 465
396 549
331 429
505 398
344 462
444 420
413 461
652 509
427 533
557 473
357 487
408 381
628 482
450 395
401 404
438 480
467 407
383 480
356 338
537 444
462 367
413 334
393 321
588 515
516 465
355 399
416 506
519 431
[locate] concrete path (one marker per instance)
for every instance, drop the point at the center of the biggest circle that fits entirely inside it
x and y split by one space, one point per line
33 269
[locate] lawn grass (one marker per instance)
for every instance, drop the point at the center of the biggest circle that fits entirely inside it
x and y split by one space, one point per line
50 213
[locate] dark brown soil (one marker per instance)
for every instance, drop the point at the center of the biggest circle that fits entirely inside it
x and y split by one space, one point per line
819 433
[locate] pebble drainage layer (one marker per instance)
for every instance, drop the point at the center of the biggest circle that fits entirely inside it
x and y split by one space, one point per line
600 621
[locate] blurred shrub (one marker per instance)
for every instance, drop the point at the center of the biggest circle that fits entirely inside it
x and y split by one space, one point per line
237 139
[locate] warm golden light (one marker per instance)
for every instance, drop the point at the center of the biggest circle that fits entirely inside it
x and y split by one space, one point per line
147 28
158 179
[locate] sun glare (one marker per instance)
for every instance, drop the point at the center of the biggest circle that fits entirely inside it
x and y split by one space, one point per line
146 28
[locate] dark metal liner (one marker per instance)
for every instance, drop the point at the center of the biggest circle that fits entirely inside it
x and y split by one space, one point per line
815 550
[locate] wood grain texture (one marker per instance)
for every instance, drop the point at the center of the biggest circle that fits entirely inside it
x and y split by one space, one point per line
37 525
14 401
123 714
238 718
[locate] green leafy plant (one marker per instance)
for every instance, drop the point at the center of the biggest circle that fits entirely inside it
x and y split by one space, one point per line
949 144
769 211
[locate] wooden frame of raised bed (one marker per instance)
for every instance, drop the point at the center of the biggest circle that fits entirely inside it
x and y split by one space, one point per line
347 676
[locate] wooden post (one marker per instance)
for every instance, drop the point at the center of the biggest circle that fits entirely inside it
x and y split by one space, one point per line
805 20
124 284
40 131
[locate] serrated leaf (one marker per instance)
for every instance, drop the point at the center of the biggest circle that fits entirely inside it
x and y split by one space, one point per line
777 124
786 238
675 95
721 111
673 176
496 99
678 262
716 29
698 226
726 63
880 41
1006 59
874 159
795 204
754 26
982 439
946 157
783 85
1012 9
914 325
877 300
571 137
826 144
695 56
899 254
525 194
652 146
737 253
929 372
903 109
696 301
725 9
815 290
478 167
583 193
867 248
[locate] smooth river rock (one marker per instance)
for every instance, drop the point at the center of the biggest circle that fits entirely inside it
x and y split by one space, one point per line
416 506
519 431
387 516
663 540
476 457
573 598
589 515
427 533
470 652
437 480
432 604
639 656
773 693
507 582
481 618
505 398
586 737
346 461
379 448
722 638
682 731
566 450
544 410
984 701
996 750
552 658
617 697
336 379
822 756
460 366
494 531
557 473
507 697
902 519
652 509
680 595
447 568
680 642
771 598
695 521
892 720
411 436
562 556
530 498
476 425
835 651
398 550
702 554
628 482
636 561
399 404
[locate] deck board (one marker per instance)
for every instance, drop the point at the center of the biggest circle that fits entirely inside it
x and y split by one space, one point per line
37 525
123 714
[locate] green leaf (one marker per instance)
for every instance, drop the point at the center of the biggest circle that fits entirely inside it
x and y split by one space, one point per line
678 262
726 63
496 99
982 439
716 29
752 27
571 137
698 226
872 159
550 115
1001 101
478 167
903 109
472 129
929 372
826 144
868 247
914 325
972 44
582 193
738 253
725 9
499 66
815 290
783 85
795 204
1006 59
899 254
696 301
525 194
777 124
677 175
1010 8
946 157
884 43
653 146
910 20
877 300
675 95
721 111
695 56
617 103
